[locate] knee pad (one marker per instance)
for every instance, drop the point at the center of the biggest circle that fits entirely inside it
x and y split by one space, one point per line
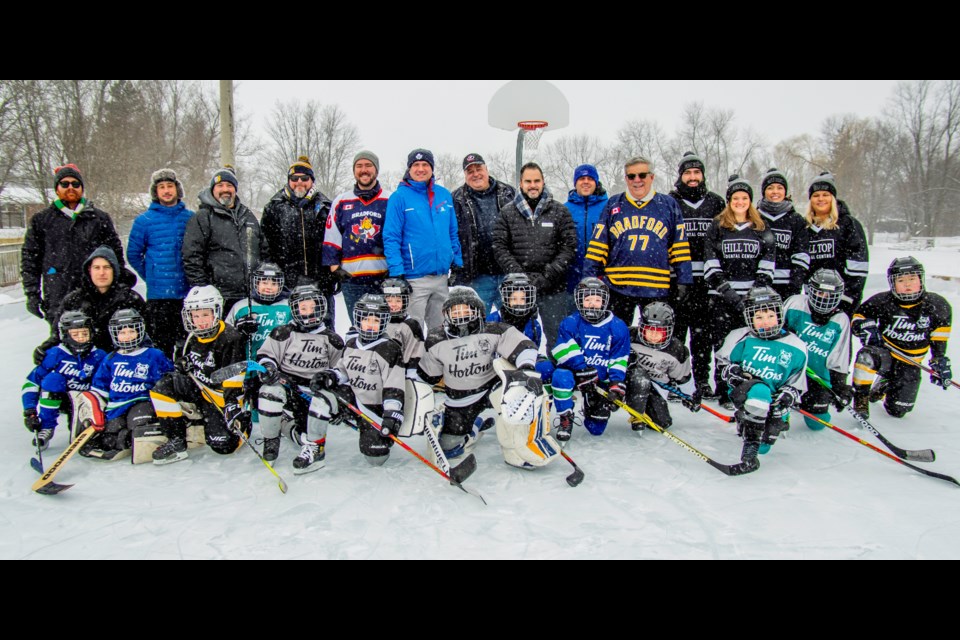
271 399
897 409
223 443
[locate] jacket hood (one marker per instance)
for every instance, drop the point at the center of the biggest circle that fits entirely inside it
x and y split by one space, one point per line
207 199
120 276
597 196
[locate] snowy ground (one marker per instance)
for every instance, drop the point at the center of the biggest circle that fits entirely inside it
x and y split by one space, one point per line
817 494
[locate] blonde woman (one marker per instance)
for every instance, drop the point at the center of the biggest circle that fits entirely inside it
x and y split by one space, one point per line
740 253
837 240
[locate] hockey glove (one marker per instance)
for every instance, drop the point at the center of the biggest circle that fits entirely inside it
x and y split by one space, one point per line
787 398
31 420
732 374
392 421
38 355
585 377
33 306
341 275
455 277
693 402
182 365
941 371
326 379
247 325
868 332
616 392
730 296
683 292
231 413
842 396
270 374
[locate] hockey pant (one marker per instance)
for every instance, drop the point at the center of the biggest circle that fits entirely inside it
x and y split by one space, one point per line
54 399
642 396
757 419
695 316
725 320
117 435
561 383
816 400
374 447
876 374
174 388
309 416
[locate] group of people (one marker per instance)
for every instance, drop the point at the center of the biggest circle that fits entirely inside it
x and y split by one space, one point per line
441 287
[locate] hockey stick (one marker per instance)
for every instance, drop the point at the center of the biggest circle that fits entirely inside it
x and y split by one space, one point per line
37 463
239 433
727 469
919 455
45 485
708 409
903 357
932 474
576 477
462 470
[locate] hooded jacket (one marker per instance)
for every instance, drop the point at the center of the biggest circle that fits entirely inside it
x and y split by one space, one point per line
585 212
420 231
154 250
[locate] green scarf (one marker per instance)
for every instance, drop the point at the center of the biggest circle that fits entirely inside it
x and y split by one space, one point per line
67 211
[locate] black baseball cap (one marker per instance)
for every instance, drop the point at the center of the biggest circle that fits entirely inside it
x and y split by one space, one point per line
472 158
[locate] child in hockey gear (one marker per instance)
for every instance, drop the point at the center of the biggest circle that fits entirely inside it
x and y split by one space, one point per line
291 355
657 356
765 367
402 328
816 319
66 367
908 318
593 347
211 344
518 306
267 308
461 352
368 375
123 382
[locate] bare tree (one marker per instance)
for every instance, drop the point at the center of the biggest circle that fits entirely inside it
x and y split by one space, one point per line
449 171
639 138
565 154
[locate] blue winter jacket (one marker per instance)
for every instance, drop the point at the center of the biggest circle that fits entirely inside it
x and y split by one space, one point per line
154 250
420 231
585 212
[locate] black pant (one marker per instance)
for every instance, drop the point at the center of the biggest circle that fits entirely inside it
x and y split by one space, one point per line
183 389
725 319
898 380
165 320
694 315
624 307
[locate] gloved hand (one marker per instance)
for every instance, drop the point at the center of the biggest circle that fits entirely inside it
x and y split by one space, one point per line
38 355
683 292
342 275
231 413
31 420
693 402
182 365
616 392
941 371
455 277
326 379
733 374
392 421
868 331
730 296
585 377
842 396
270 374
33 306
533 381
787 398
247 325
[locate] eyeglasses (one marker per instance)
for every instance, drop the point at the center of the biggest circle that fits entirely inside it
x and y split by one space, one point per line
66 184
642 176
300 178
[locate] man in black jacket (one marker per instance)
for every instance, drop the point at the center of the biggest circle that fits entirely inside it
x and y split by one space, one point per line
223 243
58 241
478 204
536 235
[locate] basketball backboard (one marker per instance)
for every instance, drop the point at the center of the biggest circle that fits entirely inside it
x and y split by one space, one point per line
528 101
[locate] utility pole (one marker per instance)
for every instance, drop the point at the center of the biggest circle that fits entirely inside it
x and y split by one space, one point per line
226 123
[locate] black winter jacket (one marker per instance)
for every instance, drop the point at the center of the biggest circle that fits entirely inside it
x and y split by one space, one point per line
466 209
215 248
55 248
294 233
542 247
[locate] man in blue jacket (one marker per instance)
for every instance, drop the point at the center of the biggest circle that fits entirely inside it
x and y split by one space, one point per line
585 201
154 252
420 238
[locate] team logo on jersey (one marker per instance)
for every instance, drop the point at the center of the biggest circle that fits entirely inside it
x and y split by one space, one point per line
484 346
210 362
374 367
785 359
142 371
829 334
923 322
365 230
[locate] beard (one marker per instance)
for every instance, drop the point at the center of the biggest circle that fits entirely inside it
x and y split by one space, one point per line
300 192
226 200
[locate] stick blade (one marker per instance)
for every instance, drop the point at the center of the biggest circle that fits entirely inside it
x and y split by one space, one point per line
52 488
36 465
575 478
464 470
920 455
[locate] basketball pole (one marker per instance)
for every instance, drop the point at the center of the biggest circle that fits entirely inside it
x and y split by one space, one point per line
520 135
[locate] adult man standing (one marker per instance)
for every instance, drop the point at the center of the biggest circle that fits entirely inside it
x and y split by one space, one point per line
699 206
57 243
535 235
353 241
477 204
420 237
639 238
154 250
223 243
585 201
293 224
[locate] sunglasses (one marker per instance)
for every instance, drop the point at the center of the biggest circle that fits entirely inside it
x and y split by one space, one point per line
300 178
642 176
66 184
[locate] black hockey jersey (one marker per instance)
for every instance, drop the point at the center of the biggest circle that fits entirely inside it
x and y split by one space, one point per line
743 256
792 260
206 355
697 218
912 327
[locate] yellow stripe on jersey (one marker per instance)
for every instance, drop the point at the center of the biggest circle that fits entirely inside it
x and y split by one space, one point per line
638 269
941 334
638 280
917 353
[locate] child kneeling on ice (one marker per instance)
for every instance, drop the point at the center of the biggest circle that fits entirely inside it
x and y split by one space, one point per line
765 368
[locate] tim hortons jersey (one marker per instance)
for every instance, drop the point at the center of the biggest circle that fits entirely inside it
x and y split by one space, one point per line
828 345
375 373
912 327
410 336
777 363
300 354
670 365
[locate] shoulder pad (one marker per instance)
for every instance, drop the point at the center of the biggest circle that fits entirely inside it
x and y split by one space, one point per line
281 333
334 338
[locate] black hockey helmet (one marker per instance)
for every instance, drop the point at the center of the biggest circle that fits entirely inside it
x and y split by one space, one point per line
397 287
592 287
510 299
903 267
76 320
763 299
371 304
126 319
657 319
266 272
456 322
312 317
824 291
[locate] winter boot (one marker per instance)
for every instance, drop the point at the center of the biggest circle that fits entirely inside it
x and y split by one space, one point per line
310 459
271 448
564 426
174 450
706 391
43 438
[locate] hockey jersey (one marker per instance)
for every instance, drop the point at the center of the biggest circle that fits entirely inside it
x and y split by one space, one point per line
206 355
409 334
843 249
269 317
375 373
635 244
300 354
742 256
776 363
530 325
792 260
912 327
466 364
78 372
605 346
828 345
354 238
123 379
697 218
670 365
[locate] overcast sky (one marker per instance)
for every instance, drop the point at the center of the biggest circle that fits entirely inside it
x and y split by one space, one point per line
395 117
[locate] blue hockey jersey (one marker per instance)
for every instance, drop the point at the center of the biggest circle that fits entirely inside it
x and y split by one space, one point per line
124 379
532 329
77 372
605 346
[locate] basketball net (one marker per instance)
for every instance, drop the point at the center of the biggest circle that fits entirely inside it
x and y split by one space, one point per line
532 132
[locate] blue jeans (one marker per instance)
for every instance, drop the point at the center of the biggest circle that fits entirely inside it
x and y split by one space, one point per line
488 288
353 291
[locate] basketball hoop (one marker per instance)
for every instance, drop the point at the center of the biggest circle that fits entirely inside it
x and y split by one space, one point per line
532 106
532 132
